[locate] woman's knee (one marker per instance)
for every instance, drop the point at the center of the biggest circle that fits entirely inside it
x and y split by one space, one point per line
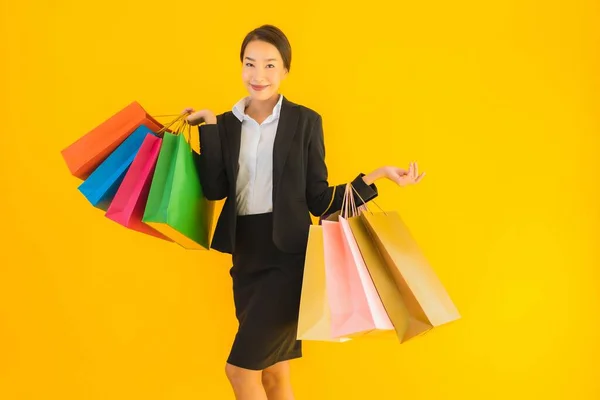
241 376
275 376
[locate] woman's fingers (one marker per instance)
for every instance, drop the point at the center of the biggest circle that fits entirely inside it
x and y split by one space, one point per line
195 118
396 177
404 177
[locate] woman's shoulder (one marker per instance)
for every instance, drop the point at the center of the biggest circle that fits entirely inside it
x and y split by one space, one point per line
222 117
305 111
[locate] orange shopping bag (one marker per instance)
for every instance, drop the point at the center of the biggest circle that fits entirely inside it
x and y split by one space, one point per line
86 153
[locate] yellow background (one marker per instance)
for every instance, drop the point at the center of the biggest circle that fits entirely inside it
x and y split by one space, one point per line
498 102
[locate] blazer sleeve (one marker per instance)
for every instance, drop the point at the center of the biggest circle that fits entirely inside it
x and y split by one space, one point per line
210 162
321 197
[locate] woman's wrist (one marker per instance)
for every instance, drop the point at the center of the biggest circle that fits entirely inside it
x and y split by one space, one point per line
373 176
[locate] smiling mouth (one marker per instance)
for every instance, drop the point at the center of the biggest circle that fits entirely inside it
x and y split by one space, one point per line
258 87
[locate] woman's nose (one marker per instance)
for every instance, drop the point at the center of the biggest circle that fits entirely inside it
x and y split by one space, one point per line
259 75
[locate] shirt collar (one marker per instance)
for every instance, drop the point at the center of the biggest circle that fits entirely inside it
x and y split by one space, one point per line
240 107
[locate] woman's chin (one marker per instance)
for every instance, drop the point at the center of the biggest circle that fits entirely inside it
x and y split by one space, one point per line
262 94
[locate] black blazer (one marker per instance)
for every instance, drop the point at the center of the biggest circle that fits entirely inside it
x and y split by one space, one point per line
300 182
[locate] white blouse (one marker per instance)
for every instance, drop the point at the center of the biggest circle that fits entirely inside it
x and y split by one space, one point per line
254 186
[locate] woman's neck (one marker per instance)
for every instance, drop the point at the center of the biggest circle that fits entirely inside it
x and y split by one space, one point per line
262 107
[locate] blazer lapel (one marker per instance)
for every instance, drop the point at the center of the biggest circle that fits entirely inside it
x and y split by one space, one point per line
284 136
234 138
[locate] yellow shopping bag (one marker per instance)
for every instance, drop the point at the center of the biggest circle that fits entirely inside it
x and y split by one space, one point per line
314 321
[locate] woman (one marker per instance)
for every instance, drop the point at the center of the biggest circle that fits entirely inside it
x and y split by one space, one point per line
266 156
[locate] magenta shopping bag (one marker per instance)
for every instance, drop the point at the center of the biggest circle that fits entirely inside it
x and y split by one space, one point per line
127 207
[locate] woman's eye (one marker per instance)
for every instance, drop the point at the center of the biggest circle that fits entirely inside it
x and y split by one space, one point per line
248 64
271 66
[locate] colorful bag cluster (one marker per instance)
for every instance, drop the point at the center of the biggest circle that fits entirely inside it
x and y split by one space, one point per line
143 175
365 276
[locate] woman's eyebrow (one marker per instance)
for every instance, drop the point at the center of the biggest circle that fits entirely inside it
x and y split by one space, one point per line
268 59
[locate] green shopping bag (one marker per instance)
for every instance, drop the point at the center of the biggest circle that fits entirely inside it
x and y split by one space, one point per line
176 204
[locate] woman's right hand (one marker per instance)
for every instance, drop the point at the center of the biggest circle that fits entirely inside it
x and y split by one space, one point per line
197 117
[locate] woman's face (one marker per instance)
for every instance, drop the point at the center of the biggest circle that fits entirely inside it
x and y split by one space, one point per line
262 70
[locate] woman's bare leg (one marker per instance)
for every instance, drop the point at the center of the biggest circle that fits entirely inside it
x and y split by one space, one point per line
246 383
277 383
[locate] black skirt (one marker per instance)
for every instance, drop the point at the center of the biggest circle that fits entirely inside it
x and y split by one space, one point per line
266 288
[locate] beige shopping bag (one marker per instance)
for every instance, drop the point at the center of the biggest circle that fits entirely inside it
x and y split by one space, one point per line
419 301
384 282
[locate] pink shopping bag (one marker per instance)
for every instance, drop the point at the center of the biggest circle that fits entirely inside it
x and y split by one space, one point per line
127 207
380 316
355 306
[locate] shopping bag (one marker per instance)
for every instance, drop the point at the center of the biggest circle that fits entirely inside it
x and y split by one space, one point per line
356 308
101 186
85 154
314 319
176 204
128 205
390 295
427 302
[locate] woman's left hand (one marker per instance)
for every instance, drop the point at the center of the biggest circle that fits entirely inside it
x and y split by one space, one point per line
403 177
398 175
